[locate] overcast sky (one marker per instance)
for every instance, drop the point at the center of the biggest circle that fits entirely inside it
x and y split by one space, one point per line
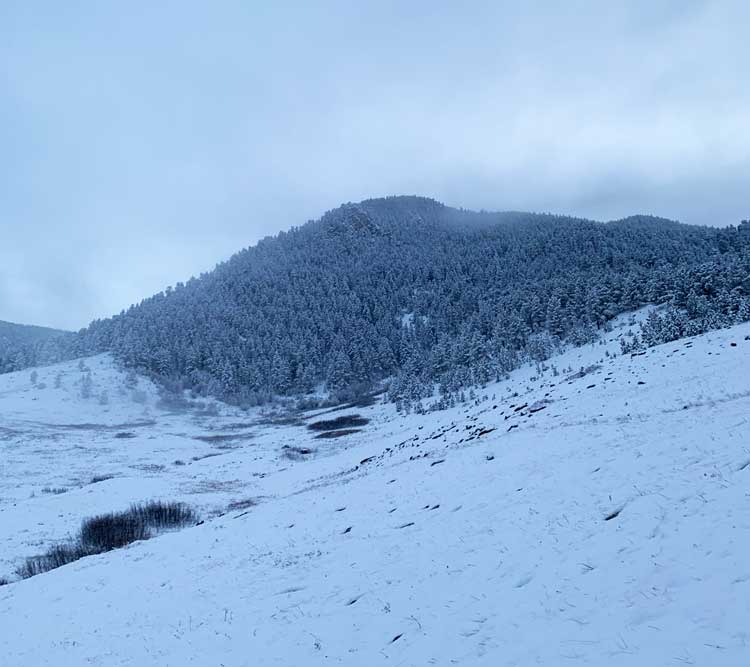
144 142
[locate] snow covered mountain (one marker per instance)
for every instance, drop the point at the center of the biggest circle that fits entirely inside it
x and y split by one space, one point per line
326 304
592 509
22 333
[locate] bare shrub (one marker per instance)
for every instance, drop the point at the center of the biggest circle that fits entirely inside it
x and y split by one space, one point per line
54 557
160 515
106 532
242 504
112 531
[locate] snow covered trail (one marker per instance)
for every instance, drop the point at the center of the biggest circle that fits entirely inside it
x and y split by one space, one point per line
597 518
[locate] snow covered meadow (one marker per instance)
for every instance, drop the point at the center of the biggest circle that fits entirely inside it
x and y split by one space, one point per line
595 513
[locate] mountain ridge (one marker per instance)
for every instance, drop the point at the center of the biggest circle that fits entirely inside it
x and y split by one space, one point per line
17 340
6 328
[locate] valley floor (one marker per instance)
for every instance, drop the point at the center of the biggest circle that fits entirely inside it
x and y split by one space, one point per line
599 516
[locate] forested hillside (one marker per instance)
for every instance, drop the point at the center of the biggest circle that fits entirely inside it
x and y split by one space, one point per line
22 345
405 287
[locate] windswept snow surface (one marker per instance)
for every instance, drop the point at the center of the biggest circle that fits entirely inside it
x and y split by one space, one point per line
595 517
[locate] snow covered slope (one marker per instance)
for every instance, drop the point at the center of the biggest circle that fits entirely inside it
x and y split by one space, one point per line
600 515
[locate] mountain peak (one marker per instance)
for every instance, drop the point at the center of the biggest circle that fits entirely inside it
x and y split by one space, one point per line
351 219
380 216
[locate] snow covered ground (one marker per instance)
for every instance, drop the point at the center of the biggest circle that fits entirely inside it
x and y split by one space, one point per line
598 516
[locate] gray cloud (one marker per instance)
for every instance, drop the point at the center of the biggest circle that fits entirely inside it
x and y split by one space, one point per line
140 145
